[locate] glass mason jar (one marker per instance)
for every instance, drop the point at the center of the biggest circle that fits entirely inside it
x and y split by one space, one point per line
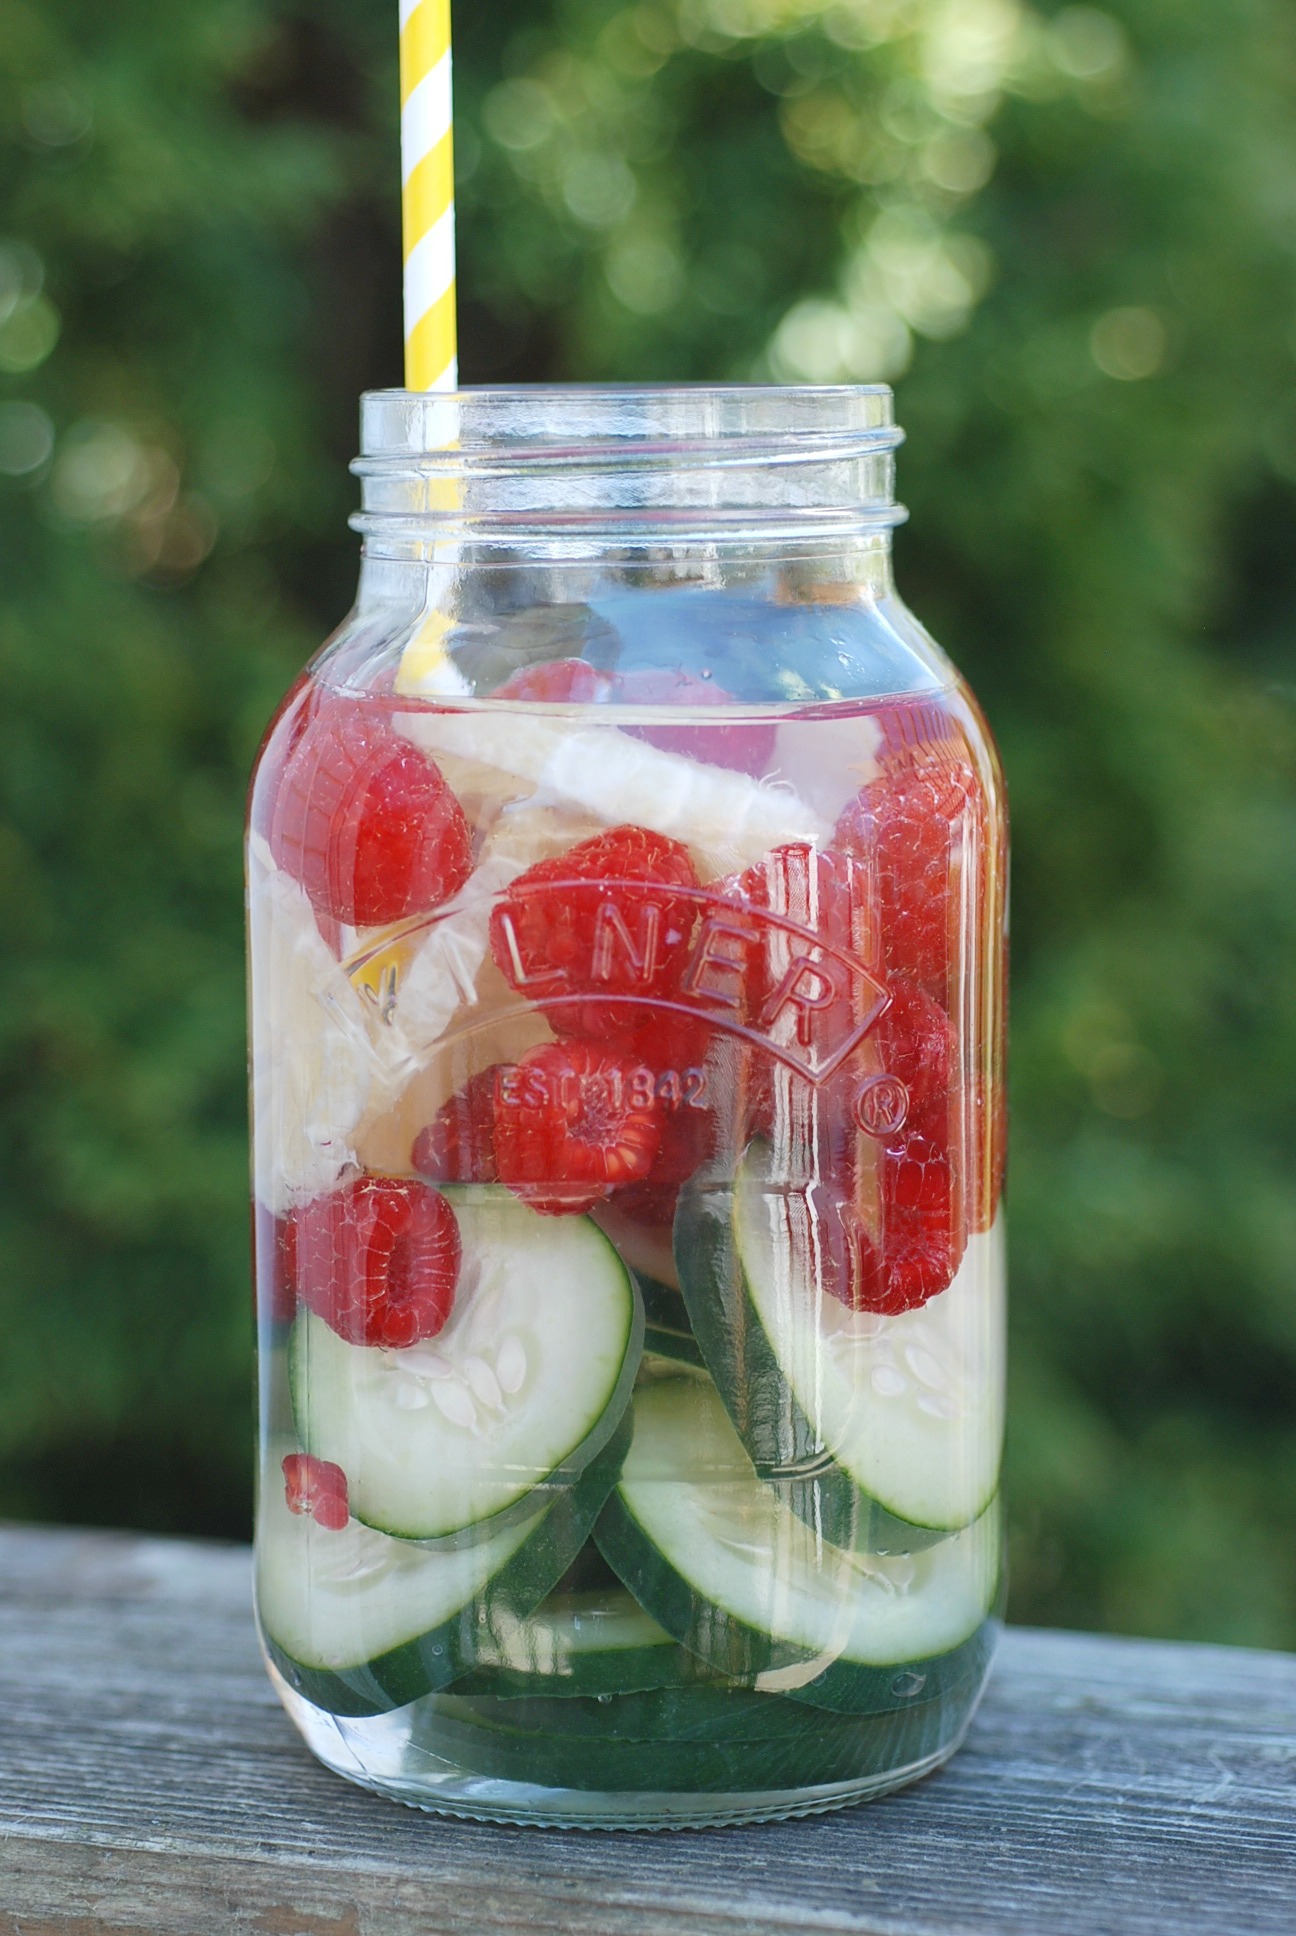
627 899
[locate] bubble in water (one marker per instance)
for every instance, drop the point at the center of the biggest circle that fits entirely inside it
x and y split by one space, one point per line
905 1686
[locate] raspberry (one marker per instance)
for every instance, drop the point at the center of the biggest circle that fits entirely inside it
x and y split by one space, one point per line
673 1050
747 748
825 894
458 1145
922 1239
558 681
916 1042
973 1117
378 1260
925 1234
572 1121
366 822
599 920
795 998
687 1142
913 1040
317 1487
821 896
674 1046
913 825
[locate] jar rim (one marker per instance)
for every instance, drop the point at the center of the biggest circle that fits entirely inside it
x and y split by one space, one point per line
584 421
584 464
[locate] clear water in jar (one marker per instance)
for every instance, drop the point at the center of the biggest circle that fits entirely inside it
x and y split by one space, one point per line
629 1142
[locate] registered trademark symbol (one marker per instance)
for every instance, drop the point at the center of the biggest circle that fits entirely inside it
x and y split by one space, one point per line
881 1105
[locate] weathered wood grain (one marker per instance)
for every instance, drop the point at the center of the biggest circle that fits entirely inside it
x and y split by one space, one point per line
149 1783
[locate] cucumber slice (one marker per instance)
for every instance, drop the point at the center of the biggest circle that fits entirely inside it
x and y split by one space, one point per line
806 1750
667 1331
360 1623
885 1431
714 1555
525 1384
703 1710
578 1646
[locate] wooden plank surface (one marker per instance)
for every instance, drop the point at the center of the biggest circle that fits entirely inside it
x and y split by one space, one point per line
150 1783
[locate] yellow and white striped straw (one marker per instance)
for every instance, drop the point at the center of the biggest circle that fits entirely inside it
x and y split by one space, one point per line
427 159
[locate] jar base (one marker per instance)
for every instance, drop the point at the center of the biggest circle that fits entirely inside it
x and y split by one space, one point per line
383 1755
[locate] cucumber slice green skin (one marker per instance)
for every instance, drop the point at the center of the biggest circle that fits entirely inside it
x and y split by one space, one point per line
720 1562
667 1330
433 1660
559 1653
784 1446
822 1750
743 1654
342 1415
709 1710
625 1671
863 1691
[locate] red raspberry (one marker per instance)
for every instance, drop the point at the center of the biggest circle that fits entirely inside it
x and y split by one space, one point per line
458 1145
747 748
825 894
558 681
973 1118
599 920
673 1049
922 1240
913 826
925 1232
915 1041
366 822
572 1121
378 1260
687 1142
674 1046
317 1487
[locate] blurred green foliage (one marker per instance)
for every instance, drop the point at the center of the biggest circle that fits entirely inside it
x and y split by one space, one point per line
1071 237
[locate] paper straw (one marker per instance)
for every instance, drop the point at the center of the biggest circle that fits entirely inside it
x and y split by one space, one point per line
431 360
427 166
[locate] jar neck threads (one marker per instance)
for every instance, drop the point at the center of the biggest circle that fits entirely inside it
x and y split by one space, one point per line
577 473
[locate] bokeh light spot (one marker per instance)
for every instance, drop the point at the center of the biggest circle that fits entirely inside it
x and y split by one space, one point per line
519 114
56 114
1128 344
598 189
1085 44
645 274
26 439
28 335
